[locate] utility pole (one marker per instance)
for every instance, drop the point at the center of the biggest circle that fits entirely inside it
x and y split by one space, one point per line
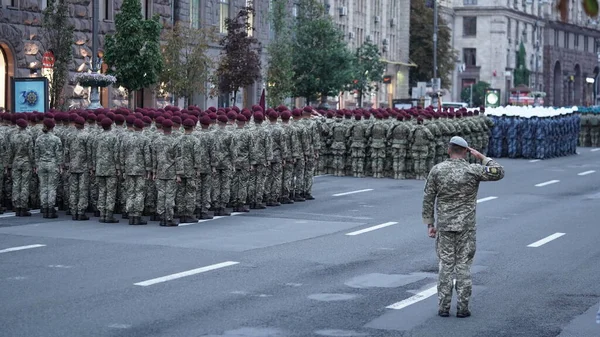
537 51
434 87
95 94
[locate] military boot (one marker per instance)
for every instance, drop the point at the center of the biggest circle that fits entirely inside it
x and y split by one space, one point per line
224 212
68 212
25 212
190 219
171 223
155 217
141 221
308 196
132 220
44 212
52 213
205 216
82 217
124 215
75 217
102 217
97 213
110 218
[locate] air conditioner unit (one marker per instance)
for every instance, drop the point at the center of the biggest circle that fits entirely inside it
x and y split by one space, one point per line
351 35
343 11
384 42
392 22
377 19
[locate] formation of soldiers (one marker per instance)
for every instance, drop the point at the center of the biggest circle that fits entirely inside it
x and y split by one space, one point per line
534 137
589 126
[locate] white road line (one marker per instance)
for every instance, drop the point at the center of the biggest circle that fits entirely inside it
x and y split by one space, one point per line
594 150
352 192
547 183
486 199
185 273
205 220
323 175
586 173
534 160
546 240
414 299
14 249
370 229
9 214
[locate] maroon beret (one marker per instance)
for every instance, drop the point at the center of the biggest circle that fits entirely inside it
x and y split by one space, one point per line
205 120
119 119
130 120
49 124
296 112
160 120
106 123
138 123
286 115
167 124
212 109
22 123
80 120
223 119
258 116
176 120
100 117
73 116
282 108
213 116
188 123
236 109
273 115
307 109
242 118
231 115
147 120
49 115
91 117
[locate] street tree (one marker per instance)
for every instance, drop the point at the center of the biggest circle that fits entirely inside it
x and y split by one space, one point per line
280 72
133 53
321 58
57 32
479 89
239 66
421 46
187 67
368 69
521 75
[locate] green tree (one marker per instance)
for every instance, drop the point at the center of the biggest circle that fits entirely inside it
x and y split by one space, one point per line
521 73
478 93
239 66
280 70
57 32
321 57
187 67
421 46
133 53
368 68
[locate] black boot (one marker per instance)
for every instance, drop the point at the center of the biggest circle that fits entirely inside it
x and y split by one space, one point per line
140 221
190 219
163 221
97 214
110 218
308 196
52 213
132 220
224 212
25 212
155 217
75 217
124 215
171 223
82 217
68 212
205 216
44 212
102 217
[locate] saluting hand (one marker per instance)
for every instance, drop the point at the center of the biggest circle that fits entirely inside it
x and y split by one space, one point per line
476 153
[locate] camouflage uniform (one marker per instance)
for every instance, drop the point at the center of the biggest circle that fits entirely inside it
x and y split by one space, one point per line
4 151
398 140
78 158
291 157
187 168
165 157
338 146
299 166
204 182
357 139
454 183
435 144
150 190
94 132
262 156
136 161
311 155
106 170
34 186
377 134
280 147
224 154
48 160
21 161
420 144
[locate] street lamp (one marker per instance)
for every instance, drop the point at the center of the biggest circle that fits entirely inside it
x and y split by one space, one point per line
434 85
537 51
95 94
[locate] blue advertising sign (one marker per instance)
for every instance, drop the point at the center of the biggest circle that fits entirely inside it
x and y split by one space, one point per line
30 94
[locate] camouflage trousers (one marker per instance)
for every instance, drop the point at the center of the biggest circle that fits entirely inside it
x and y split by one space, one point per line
21 178
440 152
299 177
399 162
430 160
186 196
203 192
377 161
221 188
455 251
256 188
150 196
93 192
595 137
122 193
310 164
133 195
275 182
166 189
420 155
34 191
107 194
338 161
239 186
48 175
79 187
65 188
1 188
287 179
358 161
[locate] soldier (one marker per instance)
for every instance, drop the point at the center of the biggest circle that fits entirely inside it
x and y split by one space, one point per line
244 164
290 158
398 137
338 146
48 165
165 160
300 165
377 134
106 169
594 130
280 147
261 158
225 152
187 168
357 141
136 162
78 158
437 135
4 151
420 144
312 145
20 165
205 171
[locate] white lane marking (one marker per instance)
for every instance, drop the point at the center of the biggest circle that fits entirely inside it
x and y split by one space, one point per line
546 240
214 218
185 273
414 299
594 150
352 192
323 175
586 173
534 160
14 249
119 326
370 229
486 199
547 183
9 214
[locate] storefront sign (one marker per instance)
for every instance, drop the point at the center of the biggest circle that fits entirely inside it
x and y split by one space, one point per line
29 94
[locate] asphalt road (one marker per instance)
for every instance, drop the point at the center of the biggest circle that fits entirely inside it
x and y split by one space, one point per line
357 264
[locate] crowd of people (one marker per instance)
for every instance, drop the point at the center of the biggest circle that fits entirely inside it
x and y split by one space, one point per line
589 134
186 163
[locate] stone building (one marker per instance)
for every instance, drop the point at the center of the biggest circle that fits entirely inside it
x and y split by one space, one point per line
22 48
486 35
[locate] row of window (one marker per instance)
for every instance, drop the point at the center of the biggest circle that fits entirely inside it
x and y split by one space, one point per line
573 41
470 58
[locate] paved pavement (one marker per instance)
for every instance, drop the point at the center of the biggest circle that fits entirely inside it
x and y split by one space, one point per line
345 264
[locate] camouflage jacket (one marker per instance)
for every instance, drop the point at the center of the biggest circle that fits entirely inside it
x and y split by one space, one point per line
223 149
106 154
135 154
451 189
189 162
205 150
263 145
78 152
21 150
291 136
165 157
48 150
279 142
245 149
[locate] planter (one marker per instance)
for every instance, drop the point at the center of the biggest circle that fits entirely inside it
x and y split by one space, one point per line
95 80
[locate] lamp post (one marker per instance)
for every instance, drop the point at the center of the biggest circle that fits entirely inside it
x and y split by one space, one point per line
537 51
434 85
95 94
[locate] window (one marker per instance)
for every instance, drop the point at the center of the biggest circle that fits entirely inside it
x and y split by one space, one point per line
43 4
223 15
106 10
250 3
576 41
517 59
469 2
469 26
10 3
508 58
470 57
586 44
195 13
525 33
147 9
508 29
556 38
517 34
566 40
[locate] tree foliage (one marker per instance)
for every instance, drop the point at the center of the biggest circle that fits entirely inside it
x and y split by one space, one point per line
479 89
133 53
521 72
239 66
368 69
321 58
57 32
421 46
187 67
280 70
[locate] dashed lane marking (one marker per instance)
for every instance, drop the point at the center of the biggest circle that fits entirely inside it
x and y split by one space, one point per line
10 214
486 199
352 192
418 297
215 218
546 240
15 249
370 229
586 173
534 160
323 175
594 150
186 273
547 183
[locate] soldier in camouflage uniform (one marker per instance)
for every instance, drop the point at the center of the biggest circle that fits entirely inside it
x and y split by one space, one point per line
398 139
165 157
421 142
4 150
454 185
437 134
312 145
187 167
20 164
338 146
225 152
107 167
261 159
78 159
280 147
244 164
205 170
48 165
377 134
357 140
290 158
136 161
300 165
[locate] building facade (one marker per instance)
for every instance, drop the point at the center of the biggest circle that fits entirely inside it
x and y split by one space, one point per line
486 35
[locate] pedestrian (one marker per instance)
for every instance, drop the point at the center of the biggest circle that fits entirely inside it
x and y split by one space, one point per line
48 165
451 190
